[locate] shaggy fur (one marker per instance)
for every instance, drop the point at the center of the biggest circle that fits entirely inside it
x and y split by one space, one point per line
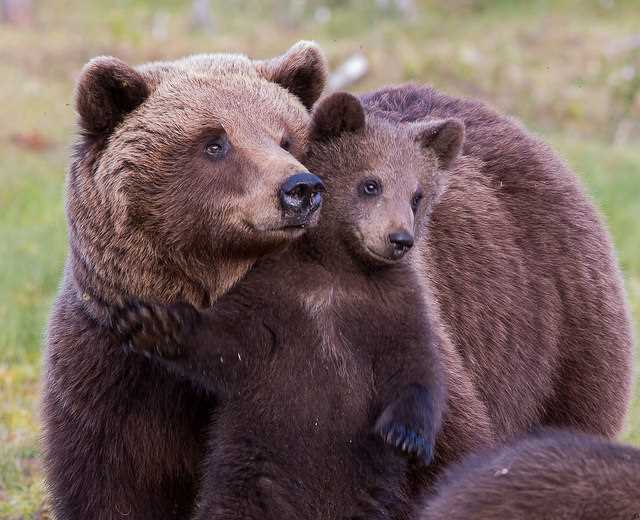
325 345
172 195
524 275
547 476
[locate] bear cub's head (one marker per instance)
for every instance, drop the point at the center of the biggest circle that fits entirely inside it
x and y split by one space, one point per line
382 178
187 171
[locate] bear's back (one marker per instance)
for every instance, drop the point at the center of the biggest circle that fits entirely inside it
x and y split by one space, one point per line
524 273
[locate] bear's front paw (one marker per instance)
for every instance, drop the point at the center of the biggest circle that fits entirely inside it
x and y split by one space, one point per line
153 329
408 424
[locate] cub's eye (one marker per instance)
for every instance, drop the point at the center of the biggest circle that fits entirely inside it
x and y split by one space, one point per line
216 148
415 201
285 144
370 187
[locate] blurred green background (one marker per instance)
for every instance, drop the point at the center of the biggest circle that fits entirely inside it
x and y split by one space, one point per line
570 69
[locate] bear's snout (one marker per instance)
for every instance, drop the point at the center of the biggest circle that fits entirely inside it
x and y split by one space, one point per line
300 196
401 242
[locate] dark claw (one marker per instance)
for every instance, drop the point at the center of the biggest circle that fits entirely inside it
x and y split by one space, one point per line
408 441
151 329
410 424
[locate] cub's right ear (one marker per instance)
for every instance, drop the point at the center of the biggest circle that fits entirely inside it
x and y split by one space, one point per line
336 114
108 89
444 137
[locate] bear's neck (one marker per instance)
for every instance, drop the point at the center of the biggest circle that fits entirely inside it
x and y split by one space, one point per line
111 264
103 279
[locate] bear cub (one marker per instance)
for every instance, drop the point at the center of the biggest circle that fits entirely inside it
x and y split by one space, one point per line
324 352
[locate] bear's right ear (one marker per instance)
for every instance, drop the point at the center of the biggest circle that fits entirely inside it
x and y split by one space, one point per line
338 113
302 70
108 89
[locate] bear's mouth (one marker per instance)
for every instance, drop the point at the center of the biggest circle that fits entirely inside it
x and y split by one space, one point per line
287 230
383 258
364 249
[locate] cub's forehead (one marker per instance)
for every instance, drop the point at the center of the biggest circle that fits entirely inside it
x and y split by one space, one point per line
383 149
380 144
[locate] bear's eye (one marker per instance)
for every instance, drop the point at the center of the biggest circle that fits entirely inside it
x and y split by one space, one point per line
285 144
415 201
216 148
370 187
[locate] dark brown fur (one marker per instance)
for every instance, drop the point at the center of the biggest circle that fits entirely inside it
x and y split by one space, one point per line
547 476
325 345
524 275
151 217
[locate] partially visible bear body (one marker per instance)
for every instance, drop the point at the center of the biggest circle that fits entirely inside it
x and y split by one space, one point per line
324 351
523 274
184 174
548 476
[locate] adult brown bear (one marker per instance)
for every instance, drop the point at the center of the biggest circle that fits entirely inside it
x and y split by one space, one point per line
524 275
184 174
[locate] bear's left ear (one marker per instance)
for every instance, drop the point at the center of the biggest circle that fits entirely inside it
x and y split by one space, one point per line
302 70
444 137
338 113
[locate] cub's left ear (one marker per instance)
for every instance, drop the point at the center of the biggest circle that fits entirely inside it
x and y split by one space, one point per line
302 70
444 137
336 114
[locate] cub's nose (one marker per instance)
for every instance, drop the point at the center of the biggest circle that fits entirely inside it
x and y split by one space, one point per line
300 193
401 242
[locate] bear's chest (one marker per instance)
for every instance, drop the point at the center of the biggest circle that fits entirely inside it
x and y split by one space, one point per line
316 368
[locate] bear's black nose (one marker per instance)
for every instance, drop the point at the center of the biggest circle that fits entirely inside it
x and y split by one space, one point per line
300 193
401 241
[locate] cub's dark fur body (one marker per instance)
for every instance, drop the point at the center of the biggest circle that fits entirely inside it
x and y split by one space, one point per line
523 274
546 476
302 383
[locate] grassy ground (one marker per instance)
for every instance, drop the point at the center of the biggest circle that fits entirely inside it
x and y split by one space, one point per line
564 67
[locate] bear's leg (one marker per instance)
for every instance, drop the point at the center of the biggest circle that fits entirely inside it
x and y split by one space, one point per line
123 438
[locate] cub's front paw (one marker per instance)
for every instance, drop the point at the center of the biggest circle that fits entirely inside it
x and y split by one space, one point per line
410 423
154 329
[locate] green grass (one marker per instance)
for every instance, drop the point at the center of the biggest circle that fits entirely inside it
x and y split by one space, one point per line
545 61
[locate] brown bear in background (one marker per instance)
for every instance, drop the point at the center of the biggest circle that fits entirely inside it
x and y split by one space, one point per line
524 275
546 476
184 174
326 349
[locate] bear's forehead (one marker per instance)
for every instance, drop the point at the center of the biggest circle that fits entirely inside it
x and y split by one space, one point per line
234 77
206 64
227 89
